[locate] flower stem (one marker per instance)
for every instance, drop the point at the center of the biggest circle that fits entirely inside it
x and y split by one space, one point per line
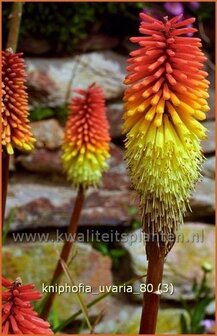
156 257
15 19
72 229
5 173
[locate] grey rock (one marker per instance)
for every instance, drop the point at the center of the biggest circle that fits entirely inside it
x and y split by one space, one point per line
208 145
49 79
202 201
46 201
12 166
116 177
42 161
35 263
194 247
47 205
48 133
211 102
115 114
46 161
127 320
208 168
211 308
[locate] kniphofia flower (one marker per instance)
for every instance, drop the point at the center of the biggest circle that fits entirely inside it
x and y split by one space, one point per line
164 104
86 143
15 124
18 315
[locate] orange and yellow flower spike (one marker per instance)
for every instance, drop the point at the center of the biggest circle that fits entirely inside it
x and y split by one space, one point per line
86 143
164 104
15 124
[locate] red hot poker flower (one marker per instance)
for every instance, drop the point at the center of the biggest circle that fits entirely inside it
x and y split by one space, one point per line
15 124
18 315
86 144
165 101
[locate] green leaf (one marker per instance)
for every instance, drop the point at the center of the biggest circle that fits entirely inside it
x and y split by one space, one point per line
136 225
118 253
92 303
41 113
8 224
195 286
78 296
54 316
102 247
198 314
132 211
184 324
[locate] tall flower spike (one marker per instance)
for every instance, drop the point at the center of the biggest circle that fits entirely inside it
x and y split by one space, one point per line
164 104
18 315
15 124
86 144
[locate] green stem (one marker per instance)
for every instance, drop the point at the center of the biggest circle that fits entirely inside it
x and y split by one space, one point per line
15 19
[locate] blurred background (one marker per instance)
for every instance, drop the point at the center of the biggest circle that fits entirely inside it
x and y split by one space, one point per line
71 45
